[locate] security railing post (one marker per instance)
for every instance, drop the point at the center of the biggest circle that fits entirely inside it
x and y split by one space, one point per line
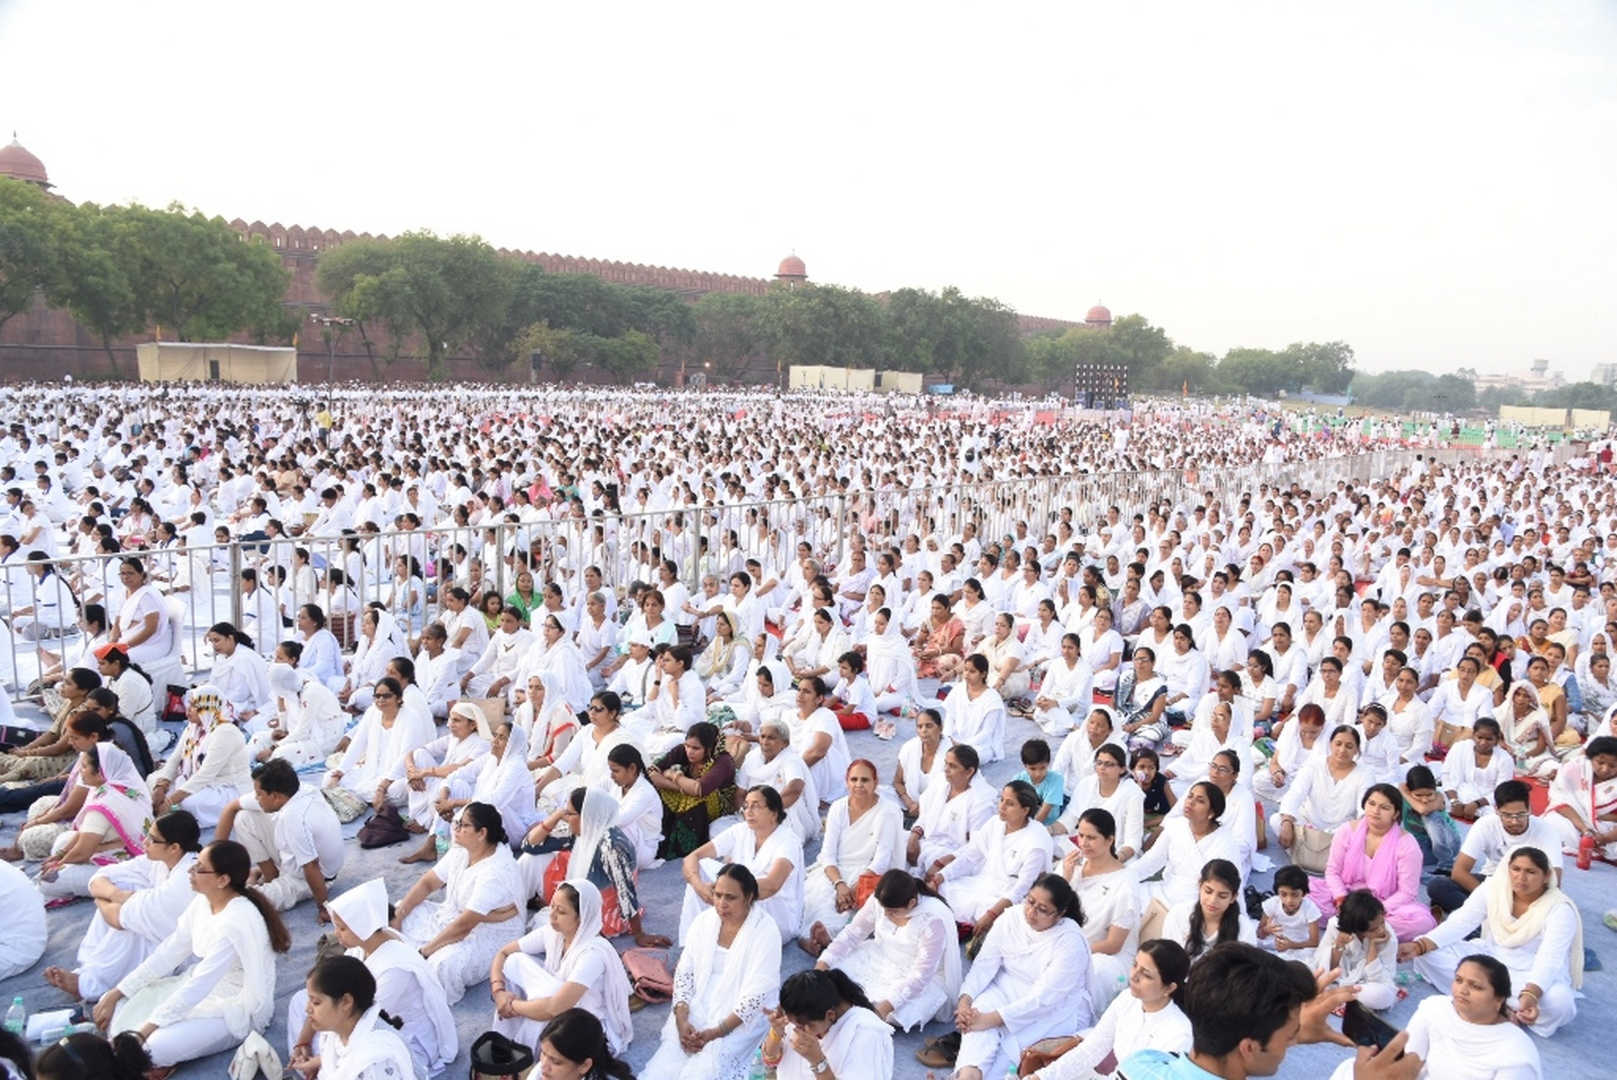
235 593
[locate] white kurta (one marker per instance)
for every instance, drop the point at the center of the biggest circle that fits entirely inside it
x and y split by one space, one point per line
1110 900
106 954
948 821
996 865
915 967
483 887
1038 981
739 844
979 721
872 844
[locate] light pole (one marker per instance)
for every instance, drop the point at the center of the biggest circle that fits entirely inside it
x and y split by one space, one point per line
326 322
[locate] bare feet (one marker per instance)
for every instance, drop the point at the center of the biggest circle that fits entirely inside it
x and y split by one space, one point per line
820 936
810 946
11 853
427 852
63 980
414 827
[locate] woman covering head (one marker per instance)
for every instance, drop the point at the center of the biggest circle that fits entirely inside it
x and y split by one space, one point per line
563 963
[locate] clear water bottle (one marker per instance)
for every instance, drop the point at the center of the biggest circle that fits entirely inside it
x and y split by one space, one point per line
756 1070
17 1018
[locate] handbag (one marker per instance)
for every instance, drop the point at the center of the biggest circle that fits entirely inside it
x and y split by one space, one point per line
344 803
495 1057
649 974
1311 849
1044 1052
384 828
864 888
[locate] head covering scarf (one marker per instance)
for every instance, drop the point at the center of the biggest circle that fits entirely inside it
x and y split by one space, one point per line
209 705
587 941
284 681
477 716
122 798
363 908
1519 931
596 818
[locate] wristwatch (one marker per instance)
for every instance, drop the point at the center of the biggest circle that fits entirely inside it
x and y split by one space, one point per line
820 1069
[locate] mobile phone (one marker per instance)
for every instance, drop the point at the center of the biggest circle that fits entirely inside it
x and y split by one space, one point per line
1365 1028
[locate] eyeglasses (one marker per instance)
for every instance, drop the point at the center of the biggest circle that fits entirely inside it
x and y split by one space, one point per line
1219 769
198 868
595 708
385 697
1040 909
1521 815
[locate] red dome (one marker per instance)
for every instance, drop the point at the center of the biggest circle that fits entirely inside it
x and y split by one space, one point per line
17 163
792 266
1098 314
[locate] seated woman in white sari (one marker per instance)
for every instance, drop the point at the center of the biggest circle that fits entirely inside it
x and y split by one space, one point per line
559 965
1219 733
901 948
830 1029
110 826
241 674
306 721
920 762
356 1039
1148 1017
1584 794
1075 757
889 665
583 762
864 834
548 722
1469 1034
372 767
1113 902
727 980
1299 743
950 812
1109 787
233 933
777 764
210 767
137 905
1029 982
974 714
770 852
1529 925
446 766
1183 848
1065 689
405 985
994 871
481 906
380 640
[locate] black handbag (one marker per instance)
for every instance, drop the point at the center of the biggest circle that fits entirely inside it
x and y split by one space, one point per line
495 1057
385 827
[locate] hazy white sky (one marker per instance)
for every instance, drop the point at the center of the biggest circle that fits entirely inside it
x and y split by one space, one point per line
1432 182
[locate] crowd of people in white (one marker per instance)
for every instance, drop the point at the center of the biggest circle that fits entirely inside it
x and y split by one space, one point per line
559 642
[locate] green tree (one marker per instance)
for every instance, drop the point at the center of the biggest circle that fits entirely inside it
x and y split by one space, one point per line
1140 346
99 266
351 276
196 279
442 291
822 324
729 331
29 246
1326 368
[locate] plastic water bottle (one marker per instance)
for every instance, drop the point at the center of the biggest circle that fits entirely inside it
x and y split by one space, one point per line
17 1018
756 1071
1586 853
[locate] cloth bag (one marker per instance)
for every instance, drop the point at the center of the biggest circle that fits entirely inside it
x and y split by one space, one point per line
1311 849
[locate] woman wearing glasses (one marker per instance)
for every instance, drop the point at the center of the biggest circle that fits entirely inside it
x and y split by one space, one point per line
1029 982
460 934
137 905
232 933
373 765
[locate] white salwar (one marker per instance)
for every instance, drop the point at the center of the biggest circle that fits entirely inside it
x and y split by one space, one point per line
739 844
915 968
107 953
1038 981
948 821
996 865
979 721
713 982
488 885
872 844
228 993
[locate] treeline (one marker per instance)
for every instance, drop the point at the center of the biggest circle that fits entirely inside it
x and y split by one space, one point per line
125 270
122 270
1457 393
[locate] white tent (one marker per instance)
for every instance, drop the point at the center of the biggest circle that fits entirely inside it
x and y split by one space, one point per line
184 361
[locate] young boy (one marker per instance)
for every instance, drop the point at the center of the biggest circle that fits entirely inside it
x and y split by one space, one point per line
1290 918
1051 785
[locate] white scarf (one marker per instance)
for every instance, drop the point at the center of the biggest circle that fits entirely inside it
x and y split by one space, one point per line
1520 931
587 941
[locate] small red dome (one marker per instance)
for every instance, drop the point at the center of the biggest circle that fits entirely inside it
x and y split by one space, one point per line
1098 314
792 266
17 163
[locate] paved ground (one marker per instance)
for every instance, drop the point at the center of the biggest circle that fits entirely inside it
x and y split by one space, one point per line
1570 1054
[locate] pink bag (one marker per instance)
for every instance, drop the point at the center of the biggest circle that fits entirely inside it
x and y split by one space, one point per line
649 974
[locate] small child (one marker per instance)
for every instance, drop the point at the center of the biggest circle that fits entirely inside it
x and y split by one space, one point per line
1359 941
855 705
1051 785
1290 917
1159 797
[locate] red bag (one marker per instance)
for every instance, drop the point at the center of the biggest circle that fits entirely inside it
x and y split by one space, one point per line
864 888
